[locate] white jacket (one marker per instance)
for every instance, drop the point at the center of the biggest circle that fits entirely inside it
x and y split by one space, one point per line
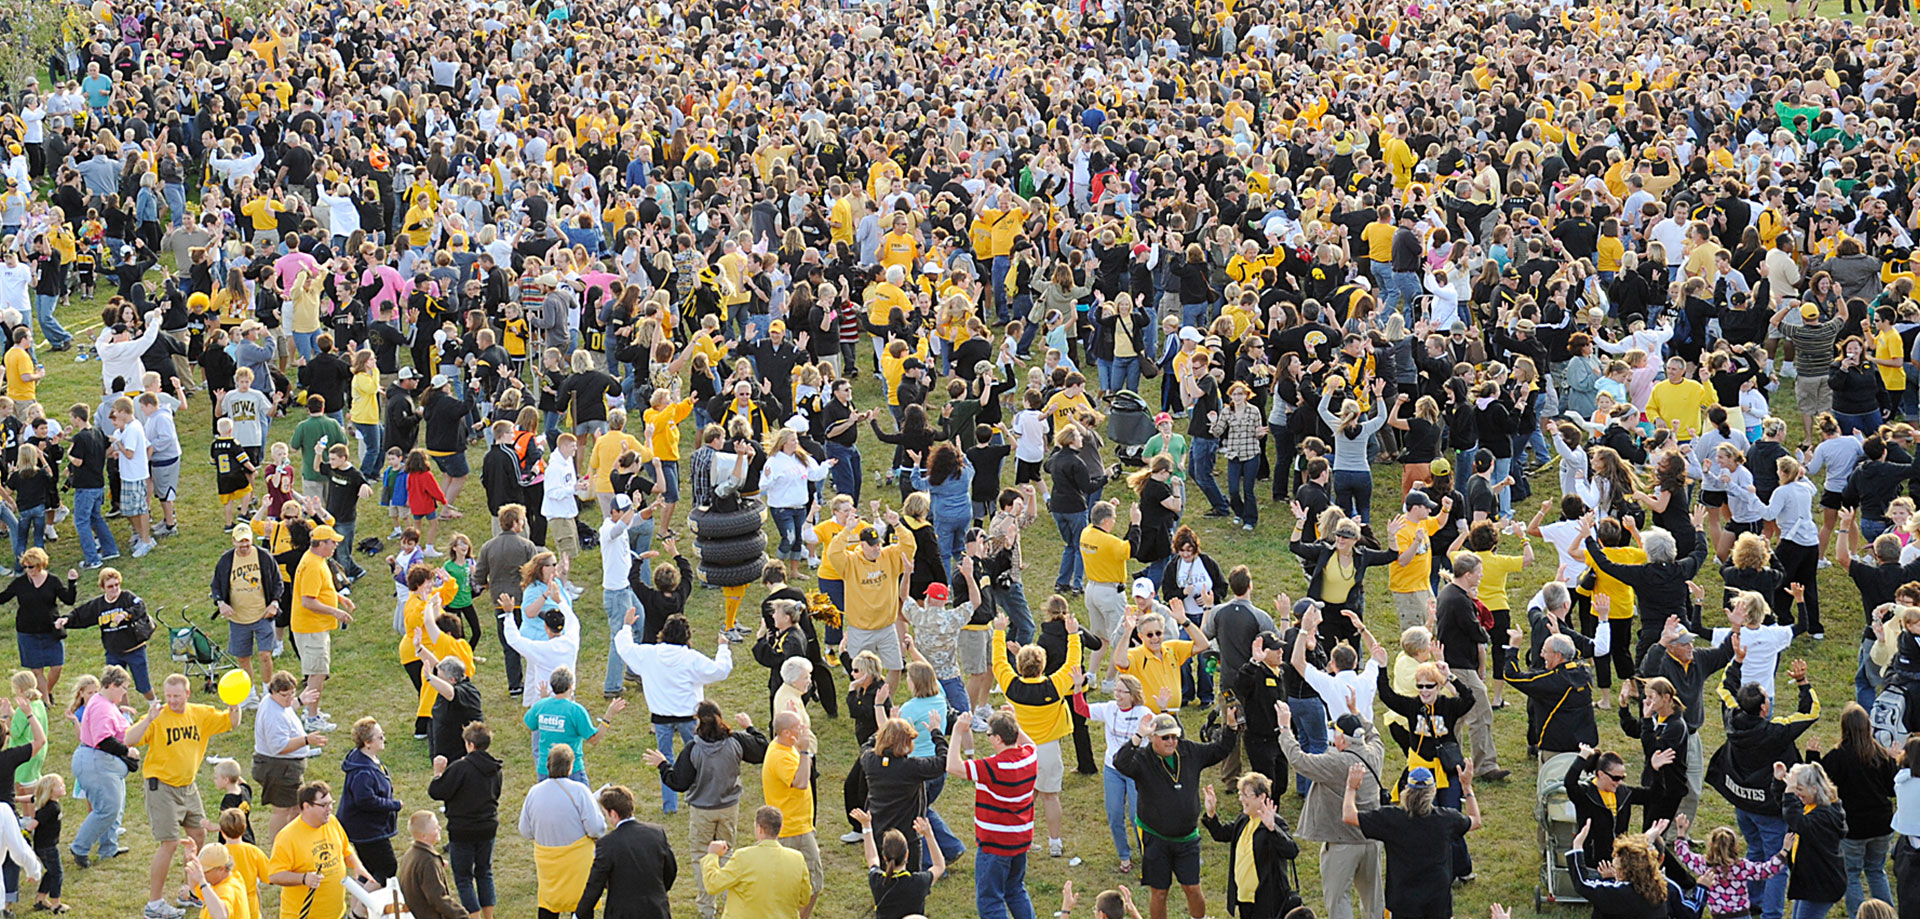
784 479
122 359
672 676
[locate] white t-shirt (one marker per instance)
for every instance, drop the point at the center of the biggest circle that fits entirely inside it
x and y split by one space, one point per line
1561 536
1764 645
15 282
134 438
1120 724
1029 436
557 500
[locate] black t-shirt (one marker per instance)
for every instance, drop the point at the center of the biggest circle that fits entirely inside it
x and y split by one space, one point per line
11 759
838 412
451 716
1199 425
899 895
1422 441
343 492
30 490
1480 498
89 447
1419 857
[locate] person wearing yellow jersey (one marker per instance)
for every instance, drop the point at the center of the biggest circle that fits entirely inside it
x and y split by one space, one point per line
882 176
1613 601
23 372
1889 357
1039 701
264 211
1247 265
876 578
1678 401
1069 402
607 449
1398 156
882 299
1410 574
1105 557
312 858
318 609
898 247
1378 237
175 734
663 416
1156 661
846 211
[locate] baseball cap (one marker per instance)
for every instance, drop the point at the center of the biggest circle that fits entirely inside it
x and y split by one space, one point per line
1809 311
869 535
1142 587
1440 466
214 855
1139 249
974 534
778 325
407 373
1683 637
241 531
439 380
1165 725
1163 418
913 363
1420 777
1348 724
1418 499
622 502
938 593
1524 325
1189 333
325 533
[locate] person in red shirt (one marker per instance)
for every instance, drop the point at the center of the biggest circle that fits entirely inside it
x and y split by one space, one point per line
1002 811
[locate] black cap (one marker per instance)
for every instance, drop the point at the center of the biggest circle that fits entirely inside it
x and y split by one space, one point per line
913 363
1349 724
1270 639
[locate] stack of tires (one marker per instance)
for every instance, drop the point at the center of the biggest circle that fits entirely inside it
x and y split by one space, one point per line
732 544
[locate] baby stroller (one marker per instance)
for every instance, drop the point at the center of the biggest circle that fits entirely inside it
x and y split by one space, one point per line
1129 426
190 645
1553 814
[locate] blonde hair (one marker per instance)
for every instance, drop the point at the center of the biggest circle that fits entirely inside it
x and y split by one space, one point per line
26 685
48 787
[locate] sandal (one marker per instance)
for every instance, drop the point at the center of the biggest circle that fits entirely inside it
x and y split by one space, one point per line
1126 868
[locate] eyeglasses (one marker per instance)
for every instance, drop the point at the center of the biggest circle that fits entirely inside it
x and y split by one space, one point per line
1426 685
1151 634
326 804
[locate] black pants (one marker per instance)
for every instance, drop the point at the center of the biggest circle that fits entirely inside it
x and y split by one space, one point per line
1621 654
1906 874
1800 564
512 657
1263 756
853 792
471 617
1084 761
377 857
413 672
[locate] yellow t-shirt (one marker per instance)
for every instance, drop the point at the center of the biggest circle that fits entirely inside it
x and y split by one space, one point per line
1885 345
1618 594
1417 575
1336 582
1379 239
1157 673
414 614
322 850
1680 404
606 452
314 579
826 530
250 869
1494 570
1063 407
899 249
20 363
776 786
843 217
176 741
234 895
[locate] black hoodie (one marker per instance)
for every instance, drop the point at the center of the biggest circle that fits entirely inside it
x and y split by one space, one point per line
471 789
1742 769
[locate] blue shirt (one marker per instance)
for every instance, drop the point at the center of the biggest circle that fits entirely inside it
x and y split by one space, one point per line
925 714
554 720
99 89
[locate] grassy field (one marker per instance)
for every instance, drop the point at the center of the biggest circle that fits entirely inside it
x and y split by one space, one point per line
369 681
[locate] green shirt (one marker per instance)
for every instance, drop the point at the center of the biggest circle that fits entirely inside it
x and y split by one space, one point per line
318 432
1174 445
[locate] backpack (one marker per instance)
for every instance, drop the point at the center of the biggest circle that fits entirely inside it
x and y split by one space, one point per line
531 458
1889 717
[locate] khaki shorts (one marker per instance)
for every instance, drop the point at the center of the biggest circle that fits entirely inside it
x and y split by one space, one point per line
1106 608
566 536
1411 608
316 652
808 845
279 779
1814 395
975 646
884 642
1051 770
171 810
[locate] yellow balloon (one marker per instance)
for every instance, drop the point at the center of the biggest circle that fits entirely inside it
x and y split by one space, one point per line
235 687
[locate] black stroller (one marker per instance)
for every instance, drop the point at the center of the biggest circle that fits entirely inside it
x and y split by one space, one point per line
1129 426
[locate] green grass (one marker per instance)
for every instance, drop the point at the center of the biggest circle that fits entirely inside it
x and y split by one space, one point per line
369 681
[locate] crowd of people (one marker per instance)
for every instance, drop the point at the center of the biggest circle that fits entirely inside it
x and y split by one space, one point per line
1650 270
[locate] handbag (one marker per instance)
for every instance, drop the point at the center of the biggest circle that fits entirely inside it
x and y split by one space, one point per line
1449 756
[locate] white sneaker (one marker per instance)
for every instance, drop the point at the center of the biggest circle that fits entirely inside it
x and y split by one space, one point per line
1825 563
1056 848
431 552
320 725
161 909
140 549
850 837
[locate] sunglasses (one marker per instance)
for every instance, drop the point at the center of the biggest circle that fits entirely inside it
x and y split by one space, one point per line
1151 634
1426 686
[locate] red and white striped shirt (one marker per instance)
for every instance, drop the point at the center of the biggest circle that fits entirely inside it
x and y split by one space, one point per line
1003 799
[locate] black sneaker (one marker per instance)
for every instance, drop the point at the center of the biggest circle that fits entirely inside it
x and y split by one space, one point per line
1218 512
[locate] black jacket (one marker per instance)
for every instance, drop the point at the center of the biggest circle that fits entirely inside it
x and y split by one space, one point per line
1270 849
1608 823
1742 769
1611 899
1659 587
1170 804
634 867
270 582
1866 790
1559 703
1316 556
1815 870
471 789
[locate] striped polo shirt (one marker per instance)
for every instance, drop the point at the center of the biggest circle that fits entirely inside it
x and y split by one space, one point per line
1003 800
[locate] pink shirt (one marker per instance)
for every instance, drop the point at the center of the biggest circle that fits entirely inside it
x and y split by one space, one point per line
101 719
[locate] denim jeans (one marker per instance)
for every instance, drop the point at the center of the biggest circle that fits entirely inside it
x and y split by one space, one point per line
370 450
1200 454
1864 689
1501 467
1198 315
617 603
1808 909
1106 367
1013 602
663 735
789 521
472 866
1123 806
1866 857
1000 886
1867 422
952 532
640 539
347 563
306 344
175 194
104 779
1000 265
845 473
1383 283
950 845
1353 493
1764 834
29 529
1126 373
43 305
1072 570
91 524
1310 725
1243 476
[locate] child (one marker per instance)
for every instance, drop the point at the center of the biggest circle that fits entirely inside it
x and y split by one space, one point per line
232 471
1722 871
897 892
393 489
249 863
459 567
45 827
235 793
282 483
409 554
425 500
